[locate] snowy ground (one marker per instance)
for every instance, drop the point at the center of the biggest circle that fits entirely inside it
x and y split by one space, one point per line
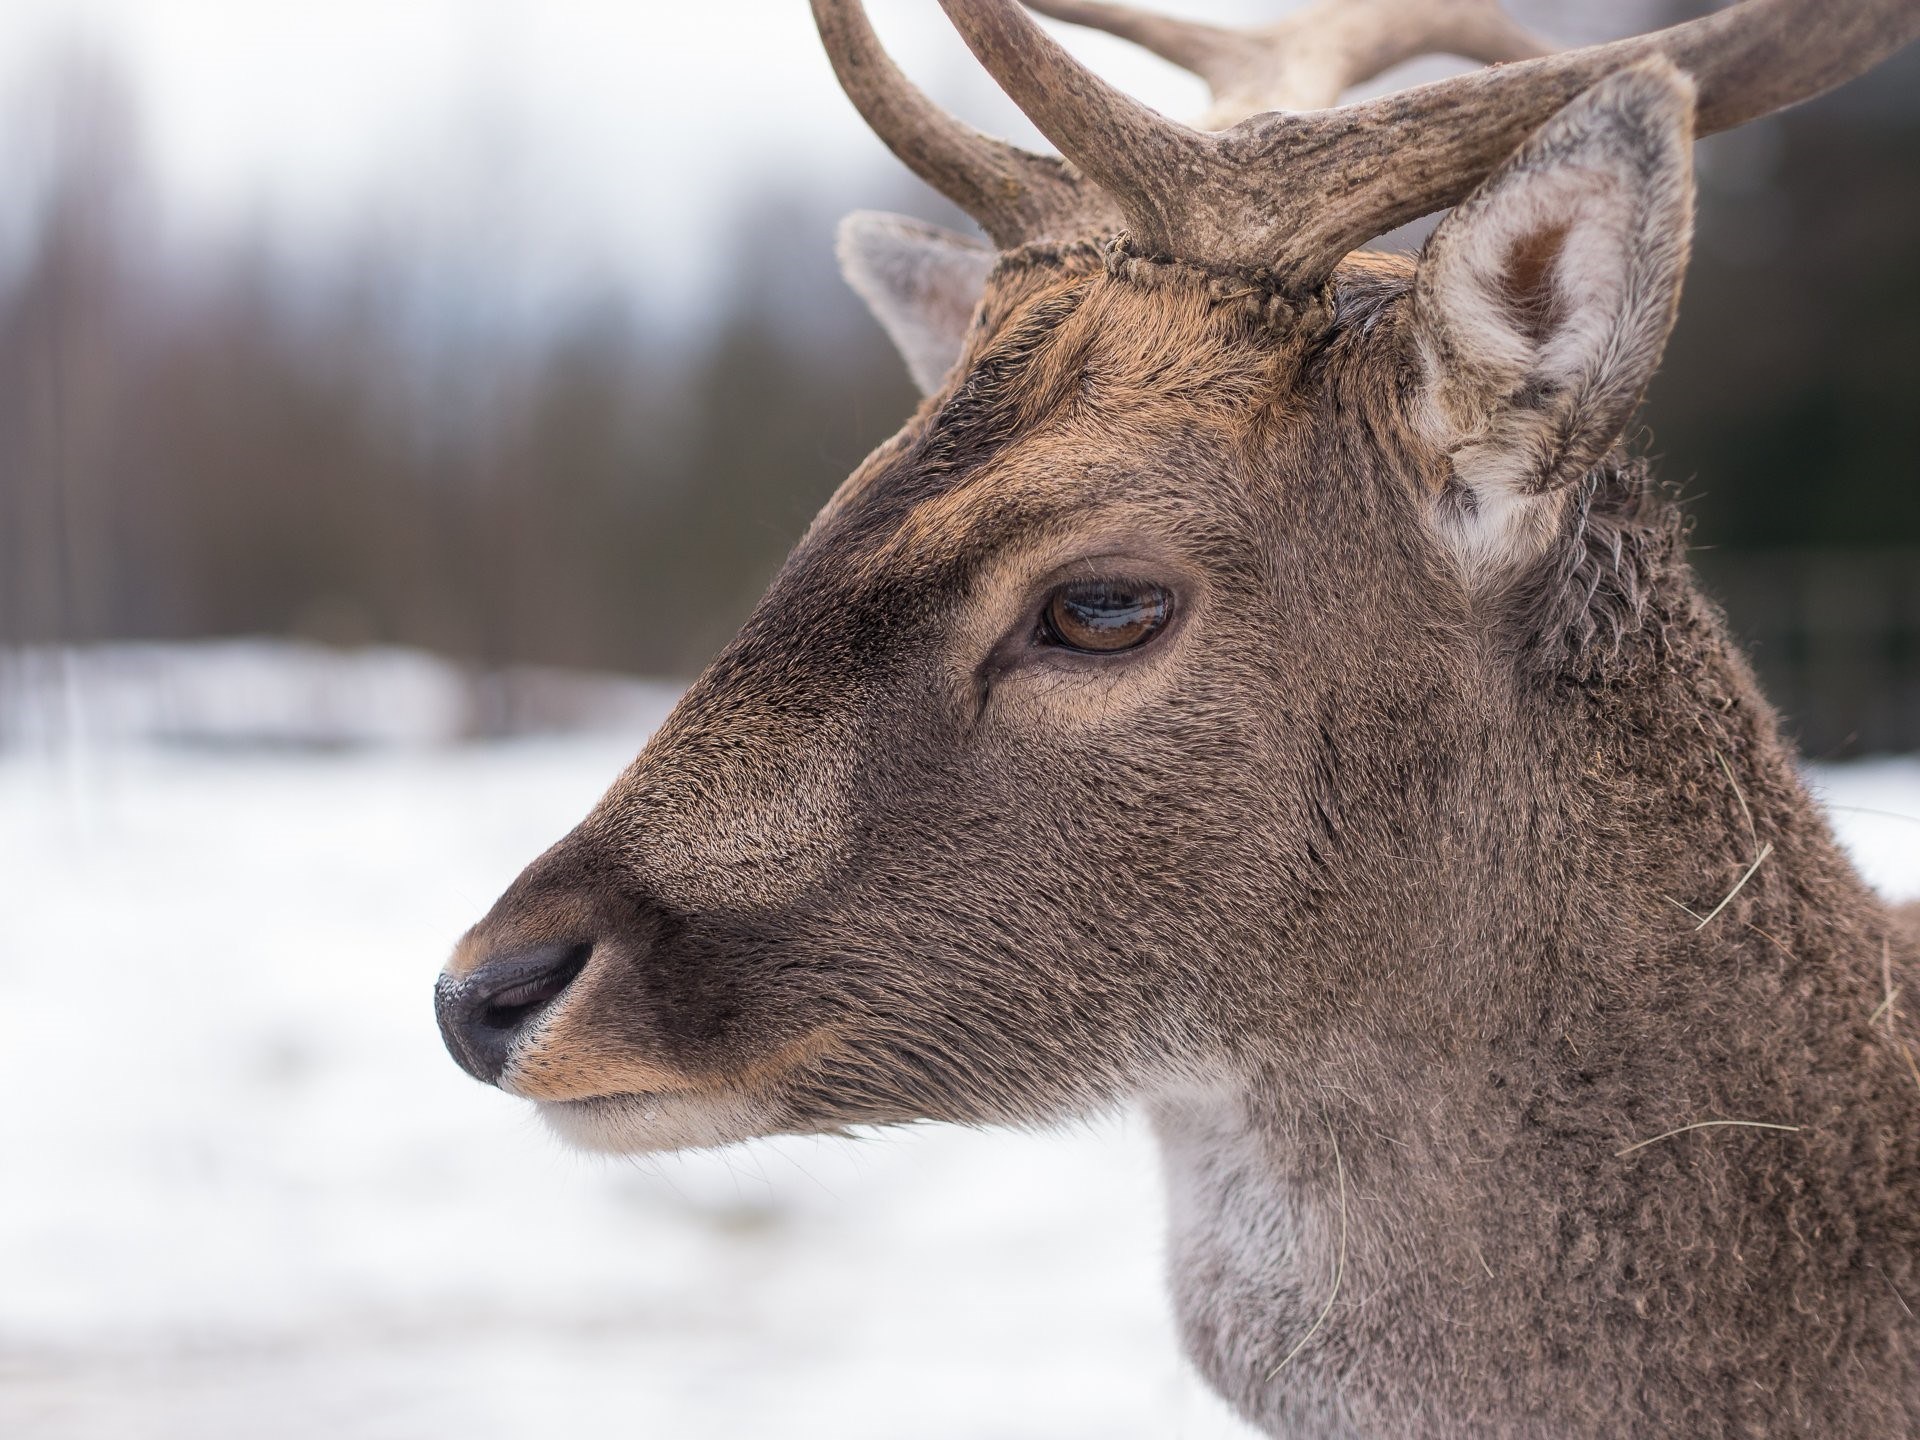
244 1193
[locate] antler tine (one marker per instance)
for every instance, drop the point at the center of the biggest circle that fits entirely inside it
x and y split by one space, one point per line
1145 161
1383 162
1015 195
1213 52
1291 194
1308 59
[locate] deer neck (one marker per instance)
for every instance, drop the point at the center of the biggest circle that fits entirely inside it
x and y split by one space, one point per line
1638 921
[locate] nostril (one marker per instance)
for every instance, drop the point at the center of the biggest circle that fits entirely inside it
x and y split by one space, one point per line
505 992
510 1006
481 1012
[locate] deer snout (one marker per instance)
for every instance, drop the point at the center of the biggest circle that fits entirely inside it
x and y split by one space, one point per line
483 1011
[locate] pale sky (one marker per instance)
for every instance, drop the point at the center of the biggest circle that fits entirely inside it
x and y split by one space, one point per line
571 140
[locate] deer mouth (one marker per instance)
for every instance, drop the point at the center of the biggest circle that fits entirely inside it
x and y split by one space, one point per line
642 1124
683 1113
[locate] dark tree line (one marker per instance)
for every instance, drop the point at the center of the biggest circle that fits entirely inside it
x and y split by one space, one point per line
230 443
200 441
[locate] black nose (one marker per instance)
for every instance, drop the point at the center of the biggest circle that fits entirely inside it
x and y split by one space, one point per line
482 1011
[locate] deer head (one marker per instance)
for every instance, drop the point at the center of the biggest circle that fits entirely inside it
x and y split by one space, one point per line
1197 653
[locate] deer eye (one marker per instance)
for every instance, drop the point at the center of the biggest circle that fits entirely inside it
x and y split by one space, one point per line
1104 616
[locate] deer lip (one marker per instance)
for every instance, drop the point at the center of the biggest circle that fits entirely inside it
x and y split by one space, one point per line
593 1097
758 1078
624 1097
643 1124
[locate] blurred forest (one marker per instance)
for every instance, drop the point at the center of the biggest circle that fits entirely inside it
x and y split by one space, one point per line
215 440
234 443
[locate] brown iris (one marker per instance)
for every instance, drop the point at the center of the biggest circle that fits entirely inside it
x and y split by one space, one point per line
1103 616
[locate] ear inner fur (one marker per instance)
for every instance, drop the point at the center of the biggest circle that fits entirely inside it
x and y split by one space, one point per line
1542 306
1530 267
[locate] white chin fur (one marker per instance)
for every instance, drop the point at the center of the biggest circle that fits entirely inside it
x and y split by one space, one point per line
645 1124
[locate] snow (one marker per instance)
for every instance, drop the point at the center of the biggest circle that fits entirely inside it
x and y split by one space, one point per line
276 694
246 1193
1875 808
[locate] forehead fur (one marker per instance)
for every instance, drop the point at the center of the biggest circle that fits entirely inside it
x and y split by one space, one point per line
1112 356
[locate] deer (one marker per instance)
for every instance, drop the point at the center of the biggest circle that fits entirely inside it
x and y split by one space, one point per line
1262 685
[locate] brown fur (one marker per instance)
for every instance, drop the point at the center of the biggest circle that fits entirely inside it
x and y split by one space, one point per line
1356 858
1529 271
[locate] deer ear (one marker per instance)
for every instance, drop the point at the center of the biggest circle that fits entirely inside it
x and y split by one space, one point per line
1542 305
920 282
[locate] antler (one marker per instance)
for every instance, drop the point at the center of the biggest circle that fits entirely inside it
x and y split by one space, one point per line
1015 195
1307 60
1291 194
